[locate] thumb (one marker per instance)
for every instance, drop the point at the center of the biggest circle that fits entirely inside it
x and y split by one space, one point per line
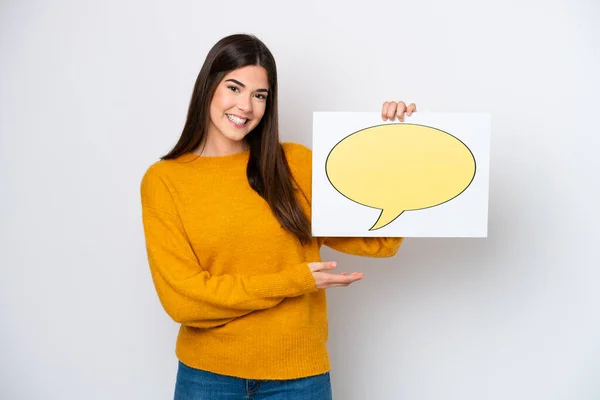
321 266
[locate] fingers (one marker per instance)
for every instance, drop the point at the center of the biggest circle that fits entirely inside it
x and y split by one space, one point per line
400 111
384 110
391 109
322 266
388 110
325 280
344 280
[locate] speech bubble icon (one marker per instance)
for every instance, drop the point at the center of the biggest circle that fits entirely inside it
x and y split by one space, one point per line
399 167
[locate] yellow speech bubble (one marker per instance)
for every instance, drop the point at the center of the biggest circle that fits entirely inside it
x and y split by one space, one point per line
399 167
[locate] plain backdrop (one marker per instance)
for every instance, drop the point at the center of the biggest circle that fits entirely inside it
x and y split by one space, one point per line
93 92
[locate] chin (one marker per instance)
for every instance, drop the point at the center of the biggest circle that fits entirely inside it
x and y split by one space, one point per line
237 139
238 136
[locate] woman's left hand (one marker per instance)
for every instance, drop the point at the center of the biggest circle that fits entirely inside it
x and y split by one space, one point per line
391 109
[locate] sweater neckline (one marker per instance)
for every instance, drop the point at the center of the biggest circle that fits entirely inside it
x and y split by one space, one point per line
194 159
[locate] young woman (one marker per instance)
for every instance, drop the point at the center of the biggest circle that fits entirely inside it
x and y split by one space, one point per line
226 218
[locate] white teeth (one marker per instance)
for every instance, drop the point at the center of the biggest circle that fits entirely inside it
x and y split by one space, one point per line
236 120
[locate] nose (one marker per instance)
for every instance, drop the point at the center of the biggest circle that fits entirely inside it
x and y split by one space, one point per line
244 104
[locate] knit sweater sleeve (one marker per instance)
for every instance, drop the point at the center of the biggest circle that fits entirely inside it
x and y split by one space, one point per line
377 247
300 159
189 293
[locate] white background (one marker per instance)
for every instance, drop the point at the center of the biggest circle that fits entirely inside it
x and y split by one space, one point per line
91 93
465 215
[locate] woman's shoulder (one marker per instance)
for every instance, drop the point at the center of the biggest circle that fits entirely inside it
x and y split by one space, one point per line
297 153
162 172
168 166
153 176
159 168
299 158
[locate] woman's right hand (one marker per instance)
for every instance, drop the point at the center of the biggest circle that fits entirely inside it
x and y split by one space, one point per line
325 279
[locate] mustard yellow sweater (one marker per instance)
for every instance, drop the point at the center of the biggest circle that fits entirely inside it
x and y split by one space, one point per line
237 282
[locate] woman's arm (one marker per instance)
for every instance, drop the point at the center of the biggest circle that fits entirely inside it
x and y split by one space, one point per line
188 292
366 247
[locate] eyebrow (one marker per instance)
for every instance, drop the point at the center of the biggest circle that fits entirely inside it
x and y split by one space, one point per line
242 85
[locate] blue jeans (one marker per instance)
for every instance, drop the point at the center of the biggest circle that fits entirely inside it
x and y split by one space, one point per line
196 384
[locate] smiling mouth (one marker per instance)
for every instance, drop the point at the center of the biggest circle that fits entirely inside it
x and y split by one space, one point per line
237 121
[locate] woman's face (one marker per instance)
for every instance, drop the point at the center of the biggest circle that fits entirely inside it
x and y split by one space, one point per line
238 105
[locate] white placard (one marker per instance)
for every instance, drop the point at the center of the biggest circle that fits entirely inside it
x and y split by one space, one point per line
425 177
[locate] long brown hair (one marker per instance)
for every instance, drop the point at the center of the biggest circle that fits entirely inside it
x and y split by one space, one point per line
268 171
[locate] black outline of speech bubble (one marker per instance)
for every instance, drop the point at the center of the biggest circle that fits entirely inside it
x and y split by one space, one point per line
413 209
